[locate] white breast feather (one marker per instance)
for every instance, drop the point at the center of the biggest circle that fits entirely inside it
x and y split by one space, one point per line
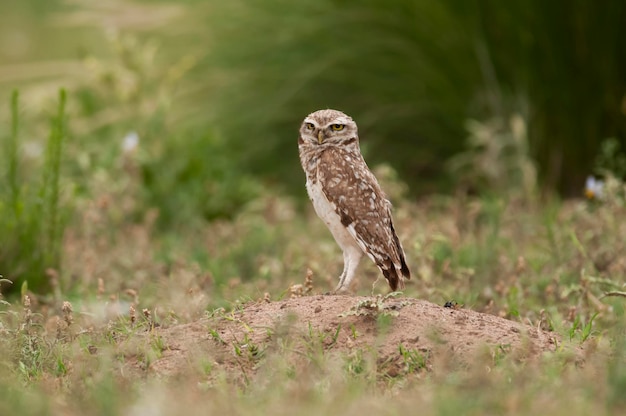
326 210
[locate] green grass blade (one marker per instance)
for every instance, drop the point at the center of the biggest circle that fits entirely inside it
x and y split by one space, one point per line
50 190
13 157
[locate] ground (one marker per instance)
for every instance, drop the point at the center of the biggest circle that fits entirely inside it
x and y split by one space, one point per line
400 332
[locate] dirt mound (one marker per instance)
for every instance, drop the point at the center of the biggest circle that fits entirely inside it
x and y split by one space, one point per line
393 328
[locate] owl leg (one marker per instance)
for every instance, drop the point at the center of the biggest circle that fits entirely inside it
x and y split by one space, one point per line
351 258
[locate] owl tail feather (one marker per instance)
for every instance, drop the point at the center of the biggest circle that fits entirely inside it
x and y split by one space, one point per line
395 277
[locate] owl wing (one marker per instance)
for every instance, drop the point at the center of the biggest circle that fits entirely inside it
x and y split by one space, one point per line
364 210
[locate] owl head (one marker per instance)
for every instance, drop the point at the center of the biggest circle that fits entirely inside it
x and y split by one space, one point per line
328 128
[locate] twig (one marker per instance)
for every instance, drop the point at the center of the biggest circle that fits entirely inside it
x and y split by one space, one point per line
614 293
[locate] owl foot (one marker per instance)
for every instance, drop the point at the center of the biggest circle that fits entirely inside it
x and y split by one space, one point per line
340 290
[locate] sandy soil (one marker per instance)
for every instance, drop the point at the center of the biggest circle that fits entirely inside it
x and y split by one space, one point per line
444 336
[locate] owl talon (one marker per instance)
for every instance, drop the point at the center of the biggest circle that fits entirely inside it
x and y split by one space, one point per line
341 290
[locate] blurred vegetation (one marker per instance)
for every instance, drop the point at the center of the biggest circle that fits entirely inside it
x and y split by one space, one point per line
181 113
32 218
393 66
568 59
411 72
549 264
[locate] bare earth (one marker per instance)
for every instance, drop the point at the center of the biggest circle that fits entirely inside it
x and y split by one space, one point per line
443 336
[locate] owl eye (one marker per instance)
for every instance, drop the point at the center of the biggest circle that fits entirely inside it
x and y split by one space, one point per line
310 126
337 127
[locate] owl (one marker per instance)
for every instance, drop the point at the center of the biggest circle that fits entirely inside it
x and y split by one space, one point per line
348 198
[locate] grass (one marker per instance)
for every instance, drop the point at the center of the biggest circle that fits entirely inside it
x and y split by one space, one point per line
32 222
414 71
89 349
547 265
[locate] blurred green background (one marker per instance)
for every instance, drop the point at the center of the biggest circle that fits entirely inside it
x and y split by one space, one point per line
410 72
193 107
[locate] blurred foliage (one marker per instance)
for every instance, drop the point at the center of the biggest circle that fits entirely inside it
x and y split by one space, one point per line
198 183
188 111
497 159
569 60
611 159
120 149
378 61
184 172
410 72
32 216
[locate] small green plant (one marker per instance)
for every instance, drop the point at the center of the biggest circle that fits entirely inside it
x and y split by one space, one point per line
8 283
611 159
317 342
158 344
354 332
322 337
335 336
355 363
32 218
585 330
616 377
413 360
377 306
237 349
216 336
512 302
245 348
574 328
217 312
497 158
61 367
500 352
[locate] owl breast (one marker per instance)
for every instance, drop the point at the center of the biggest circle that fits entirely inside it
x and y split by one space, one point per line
327 211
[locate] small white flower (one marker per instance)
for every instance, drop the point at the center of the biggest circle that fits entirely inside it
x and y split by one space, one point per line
130 142
594 189
33 150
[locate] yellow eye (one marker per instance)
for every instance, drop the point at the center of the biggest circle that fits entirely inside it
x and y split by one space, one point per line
310 126
337 127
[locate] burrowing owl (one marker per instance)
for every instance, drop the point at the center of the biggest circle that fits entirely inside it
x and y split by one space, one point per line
348 198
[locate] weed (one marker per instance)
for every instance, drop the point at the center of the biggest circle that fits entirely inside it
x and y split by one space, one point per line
158 344
5 282
499 353
353 332
413 360
611 159
497 158
355 364
586 329
32 222
247 348
318 337
216 336
583 330
377 306
317 341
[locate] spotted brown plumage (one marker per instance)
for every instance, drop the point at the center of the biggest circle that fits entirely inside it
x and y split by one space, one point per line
348 198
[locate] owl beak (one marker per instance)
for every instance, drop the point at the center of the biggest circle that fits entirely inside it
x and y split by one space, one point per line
320 137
